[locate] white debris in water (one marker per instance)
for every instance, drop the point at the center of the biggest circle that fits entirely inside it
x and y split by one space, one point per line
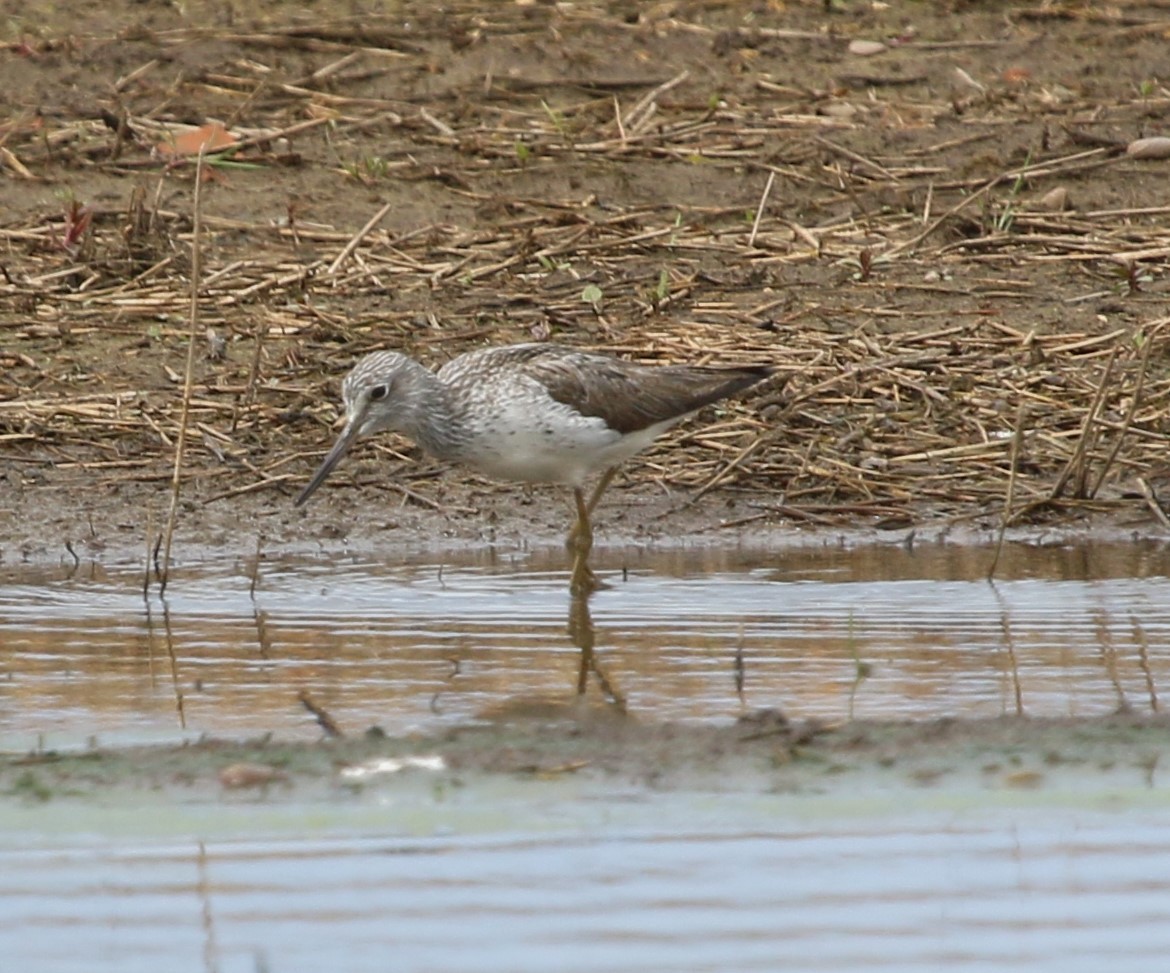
392 765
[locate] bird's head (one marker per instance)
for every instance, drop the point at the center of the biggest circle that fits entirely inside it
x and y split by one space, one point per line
375 393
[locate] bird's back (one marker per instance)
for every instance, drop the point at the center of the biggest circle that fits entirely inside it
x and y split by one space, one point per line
550 413
625 395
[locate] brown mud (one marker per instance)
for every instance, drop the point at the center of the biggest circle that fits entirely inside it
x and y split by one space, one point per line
944 245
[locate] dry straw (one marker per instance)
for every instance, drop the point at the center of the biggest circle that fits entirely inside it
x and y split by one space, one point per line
891 298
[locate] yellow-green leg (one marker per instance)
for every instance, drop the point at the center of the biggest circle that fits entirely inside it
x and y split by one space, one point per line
580 539
594 497
580 543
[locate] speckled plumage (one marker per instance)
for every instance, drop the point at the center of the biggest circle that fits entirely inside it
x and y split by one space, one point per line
539 413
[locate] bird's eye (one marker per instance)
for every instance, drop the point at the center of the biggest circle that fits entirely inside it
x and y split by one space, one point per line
379 392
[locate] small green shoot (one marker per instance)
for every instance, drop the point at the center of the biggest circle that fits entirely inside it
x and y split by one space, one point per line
1003 222
550 265
367 170
661 292
557 118
223 160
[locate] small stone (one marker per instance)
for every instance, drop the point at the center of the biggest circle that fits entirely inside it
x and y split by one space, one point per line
1056 200
1157 147
864 48
839 109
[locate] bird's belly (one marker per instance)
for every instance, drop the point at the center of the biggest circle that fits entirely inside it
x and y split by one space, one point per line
555 454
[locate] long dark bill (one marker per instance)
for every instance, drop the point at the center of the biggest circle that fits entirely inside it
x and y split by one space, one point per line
340 448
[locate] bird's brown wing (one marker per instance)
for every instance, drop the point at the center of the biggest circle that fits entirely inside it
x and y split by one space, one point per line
627 396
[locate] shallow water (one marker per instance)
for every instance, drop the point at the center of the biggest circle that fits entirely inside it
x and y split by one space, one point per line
880 632
1027 891
514 875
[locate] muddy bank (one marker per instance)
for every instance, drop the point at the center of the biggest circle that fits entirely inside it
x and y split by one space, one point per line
683 183
760 753
62 522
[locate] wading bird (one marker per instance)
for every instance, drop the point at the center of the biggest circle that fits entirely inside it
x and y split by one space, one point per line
539 413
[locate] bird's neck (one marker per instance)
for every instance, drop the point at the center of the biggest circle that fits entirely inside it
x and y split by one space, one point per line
426 412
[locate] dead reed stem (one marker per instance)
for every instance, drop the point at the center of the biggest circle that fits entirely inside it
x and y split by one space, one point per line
188 373
1076 464
1010 493
1134 401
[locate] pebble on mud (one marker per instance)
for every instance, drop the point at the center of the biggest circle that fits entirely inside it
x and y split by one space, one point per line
1056 200
864 48
1157 147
